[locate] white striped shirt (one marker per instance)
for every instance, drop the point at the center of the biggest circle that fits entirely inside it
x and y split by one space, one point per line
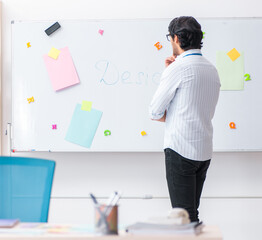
188 92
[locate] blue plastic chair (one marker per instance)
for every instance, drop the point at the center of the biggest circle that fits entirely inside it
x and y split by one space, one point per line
25 188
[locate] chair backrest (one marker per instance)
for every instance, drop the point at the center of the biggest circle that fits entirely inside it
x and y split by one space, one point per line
25 188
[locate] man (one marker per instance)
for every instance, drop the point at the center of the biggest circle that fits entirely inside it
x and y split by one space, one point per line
185 100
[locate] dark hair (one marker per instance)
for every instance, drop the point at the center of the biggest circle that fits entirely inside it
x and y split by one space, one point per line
188 31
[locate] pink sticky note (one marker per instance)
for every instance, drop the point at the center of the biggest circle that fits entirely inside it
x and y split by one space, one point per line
61 71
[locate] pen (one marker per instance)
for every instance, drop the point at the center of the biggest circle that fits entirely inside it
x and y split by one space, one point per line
113 203
110 203
93 198
97 206
111 199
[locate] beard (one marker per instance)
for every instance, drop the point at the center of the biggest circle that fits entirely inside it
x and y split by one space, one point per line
175 50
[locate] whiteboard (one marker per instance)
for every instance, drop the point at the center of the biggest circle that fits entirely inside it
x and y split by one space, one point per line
119 72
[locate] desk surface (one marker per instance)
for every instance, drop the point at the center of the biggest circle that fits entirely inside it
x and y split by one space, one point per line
42 231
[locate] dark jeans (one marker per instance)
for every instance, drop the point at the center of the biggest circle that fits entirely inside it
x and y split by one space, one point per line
185 179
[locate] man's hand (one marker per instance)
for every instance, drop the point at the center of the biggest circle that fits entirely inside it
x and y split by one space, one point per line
169 60
162 119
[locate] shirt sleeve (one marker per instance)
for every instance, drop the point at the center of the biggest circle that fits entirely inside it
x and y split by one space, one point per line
170 81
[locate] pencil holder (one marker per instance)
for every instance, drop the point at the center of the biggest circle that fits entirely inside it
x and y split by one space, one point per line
106 219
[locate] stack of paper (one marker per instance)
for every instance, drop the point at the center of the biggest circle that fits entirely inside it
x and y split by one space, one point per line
143 228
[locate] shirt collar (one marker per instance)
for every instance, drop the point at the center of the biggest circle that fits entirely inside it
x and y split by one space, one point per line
188 52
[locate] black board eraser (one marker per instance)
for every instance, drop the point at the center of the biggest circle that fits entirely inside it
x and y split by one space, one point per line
52 29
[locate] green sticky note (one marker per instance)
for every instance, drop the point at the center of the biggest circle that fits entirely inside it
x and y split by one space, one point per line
231 73
86 105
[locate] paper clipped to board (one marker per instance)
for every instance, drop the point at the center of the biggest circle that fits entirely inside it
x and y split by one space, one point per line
61 71
231 73
83 126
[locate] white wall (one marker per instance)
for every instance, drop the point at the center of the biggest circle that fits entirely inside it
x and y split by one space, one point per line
232 196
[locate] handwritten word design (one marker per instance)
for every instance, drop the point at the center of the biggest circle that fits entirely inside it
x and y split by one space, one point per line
112 76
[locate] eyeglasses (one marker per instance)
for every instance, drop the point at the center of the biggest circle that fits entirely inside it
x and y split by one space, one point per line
168 36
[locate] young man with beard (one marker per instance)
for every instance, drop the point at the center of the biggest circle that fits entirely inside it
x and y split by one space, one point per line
186 100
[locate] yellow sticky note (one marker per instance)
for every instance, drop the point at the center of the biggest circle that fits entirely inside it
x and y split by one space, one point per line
233 54
86 105
54 53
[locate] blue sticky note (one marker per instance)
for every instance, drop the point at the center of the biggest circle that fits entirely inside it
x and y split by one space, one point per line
83 126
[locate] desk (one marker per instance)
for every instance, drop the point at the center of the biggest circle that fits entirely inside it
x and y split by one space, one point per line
42 231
